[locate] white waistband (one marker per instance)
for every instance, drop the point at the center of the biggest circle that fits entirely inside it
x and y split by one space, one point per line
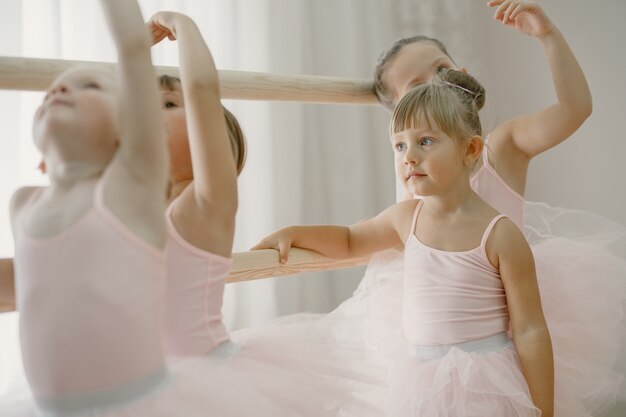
488 344
226 349
98 403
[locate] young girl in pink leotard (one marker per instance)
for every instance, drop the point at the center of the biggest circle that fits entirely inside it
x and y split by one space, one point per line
89 247
468 270
119 369
569 246
207 151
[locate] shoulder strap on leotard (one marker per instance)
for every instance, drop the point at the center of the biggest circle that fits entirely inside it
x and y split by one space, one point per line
415 213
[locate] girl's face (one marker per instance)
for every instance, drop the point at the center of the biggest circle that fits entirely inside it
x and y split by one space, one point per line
79 113
177 137
428 161
415 63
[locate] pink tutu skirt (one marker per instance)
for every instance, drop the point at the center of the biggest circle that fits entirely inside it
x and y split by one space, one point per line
259 377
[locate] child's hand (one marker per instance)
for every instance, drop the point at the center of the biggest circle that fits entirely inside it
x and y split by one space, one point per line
163 25
281 240
527 17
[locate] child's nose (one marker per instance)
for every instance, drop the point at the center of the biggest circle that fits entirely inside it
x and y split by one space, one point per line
410 158
59 89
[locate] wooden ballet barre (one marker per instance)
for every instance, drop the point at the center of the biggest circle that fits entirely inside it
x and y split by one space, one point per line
36 74
248 266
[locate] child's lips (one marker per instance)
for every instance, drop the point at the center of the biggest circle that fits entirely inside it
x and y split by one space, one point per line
414 175
59 102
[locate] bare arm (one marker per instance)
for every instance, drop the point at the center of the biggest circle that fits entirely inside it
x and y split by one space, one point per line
344 242
530 332
7 286
142 147
205 212
7 276
535 133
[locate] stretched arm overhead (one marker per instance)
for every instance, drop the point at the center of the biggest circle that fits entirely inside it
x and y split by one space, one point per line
137 175
533 134
205 211
142 145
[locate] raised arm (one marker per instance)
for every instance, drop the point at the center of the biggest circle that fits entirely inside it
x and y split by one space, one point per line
142 148
532 134
508 248
205 211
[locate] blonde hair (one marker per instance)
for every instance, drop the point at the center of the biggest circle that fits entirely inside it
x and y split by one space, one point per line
450 102
235 134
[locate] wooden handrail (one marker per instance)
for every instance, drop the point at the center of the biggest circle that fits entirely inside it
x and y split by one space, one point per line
36 74
248 266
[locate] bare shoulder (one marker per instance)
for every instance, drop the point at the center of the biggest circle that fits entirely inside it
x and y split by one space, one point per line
20 198
507 242
400 210
401 216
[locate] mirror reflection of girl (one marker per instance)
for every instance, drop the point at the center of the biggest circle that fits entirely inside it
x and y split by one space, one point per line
263 375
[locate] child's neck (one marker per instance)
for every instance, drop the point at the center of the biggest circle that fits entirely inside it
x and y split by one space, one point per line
70 173
451 203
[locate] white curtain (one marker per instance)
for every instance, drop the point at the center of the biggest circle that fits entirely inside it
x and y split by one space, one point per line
307 163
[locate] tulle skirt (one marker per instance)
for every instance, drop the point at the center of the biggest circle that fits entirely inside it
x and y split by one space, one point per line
256 377
581 270
473 379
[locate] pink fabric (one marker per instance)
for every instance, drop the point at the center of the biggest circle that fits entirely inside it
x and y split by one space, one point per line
491 188
92 341
193 298
87 312
451 297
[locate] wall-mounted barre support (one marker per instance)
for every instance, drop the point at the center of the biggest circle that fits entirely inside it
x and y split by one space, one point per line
35 74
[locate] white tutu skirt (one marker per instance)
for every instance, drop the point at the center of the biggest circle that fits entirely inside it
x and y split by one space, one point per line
460 380
581 269
260 377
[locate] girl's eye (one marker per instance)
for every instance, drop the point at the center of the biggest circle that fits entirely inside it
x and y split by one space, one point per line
426 141
400 147
169 105
92 85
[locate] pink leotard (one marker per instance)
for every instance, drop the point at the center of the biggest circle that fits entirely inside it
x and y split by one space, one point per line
193 296
491 188
88 312
451 297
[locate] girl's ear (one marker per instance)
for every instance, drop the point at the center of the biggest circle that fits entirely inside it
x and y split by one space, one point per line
473 150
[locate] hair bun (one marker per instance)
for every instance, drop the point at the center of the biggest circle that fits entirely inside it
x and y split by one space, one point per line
465 84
